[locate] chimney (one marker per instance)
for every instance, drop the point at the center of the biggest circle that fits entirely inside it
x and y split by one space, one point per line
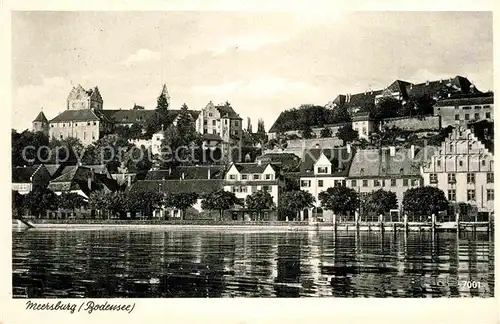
259 162
317 145
412 151
392 150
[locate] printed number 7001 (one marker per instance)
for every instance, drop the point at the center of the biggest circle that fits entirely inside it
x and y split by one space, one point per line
471 284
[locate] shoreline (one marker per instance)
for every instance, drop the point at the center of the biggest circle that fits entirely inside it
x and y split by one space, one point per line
281 227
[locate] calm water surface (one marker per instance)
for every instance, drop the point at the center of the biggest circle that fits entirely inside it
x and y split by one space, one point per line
154 263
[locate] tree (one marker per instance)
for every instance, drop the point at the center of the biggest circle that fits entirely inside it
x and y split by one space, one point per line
295 201
386 107
185 125
261 129
339 199
307 132
71 200
219 200
347 134
424 200
249 125
39 200
181 201
138 159
325 132
380 202
17 202
259 201
30 142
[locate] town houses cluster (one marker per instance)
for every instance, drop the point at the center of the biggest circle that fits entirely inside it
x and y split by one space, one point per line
459 160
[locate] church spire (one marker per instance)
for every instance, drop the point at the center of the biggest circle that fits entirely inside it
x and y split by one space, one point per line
164 91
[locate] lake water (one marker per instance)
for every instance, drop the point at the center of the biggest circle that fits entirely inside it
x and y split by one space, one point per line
155 263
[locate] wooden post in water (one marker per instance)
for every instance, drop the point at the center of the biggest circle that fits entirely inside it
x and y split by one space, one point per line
433 220
405 222
457 220
381 222
356 220
334 222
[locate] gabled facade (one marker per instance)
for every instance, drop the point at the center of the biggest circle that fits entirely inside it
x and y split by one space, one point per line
243 179
464 110
25 179
220 120
79 98
463 168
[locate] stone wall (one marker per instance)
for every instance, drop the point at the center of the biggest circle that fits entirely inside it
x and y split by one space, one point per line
298 147
414 123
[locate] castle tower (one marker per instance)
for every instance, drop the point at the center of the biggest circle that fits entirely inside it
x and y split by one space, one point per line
164 91
41 124
79 98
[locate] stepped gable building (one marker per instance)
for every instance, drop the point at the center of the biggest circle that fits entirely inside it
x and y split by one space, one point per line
463 168
220 120
41 124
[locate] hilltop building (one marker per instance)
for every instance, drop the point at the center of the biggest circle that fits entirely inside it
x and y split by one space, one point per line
41 124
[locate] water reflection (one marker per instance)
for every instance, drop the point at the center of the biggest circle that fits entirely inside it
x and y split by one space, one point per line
120 263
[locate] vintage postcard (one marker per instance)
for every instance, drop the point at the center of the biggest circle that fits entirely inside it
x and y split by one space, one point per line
171 154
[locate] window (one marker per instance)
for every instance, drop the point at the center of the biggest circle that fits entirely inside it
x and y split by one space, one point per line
214 131
362 171
365 183
466 107
471 194
433 178
393 182
52 125
401 171
457 117
477 107
452 195
214 122
488 115
256 176
460 163
466 117
320 183
451 148
305 183
413 182
244 176
338 183
376 183
225 121
476 116
382 182
322 169
210 114
205 122
232 177
490 177
486 106
88 123
364 131
236 123
61 136
490 194
405 182
93 135
64 125
471 178
95 123
269 177
483 162
353 183
438 163
205 131
265 188
451 178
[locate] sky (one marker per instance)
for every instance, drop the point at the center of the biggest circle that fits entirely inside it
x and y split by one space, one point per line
261 62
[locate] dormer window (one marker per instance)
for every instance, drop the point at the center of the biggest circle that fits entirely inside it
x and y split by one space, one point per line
269 177
232 177
362 171
401 171
322 169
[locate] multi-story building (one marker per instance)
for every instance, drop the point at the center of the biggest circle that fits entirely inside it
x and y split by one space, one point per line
41 124
392 169
25 179
320 170
221 120
83 118
463 167
464 110
246 178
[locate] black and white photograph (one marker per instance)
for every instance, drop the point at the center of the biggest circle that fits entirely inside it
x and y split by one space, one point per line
282 154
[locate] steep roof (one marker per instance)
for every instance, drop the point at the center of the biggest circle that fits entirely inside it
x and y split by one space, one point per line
41 118
253 167
190 173
212 137
140 116
465 101
286 160
227 111
484 131
76 115
23 174
369 163
77 179
340 158
199 186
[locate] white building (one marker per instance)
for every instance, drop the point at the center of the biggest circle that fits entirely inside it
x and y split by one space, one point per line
464 167
246 178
